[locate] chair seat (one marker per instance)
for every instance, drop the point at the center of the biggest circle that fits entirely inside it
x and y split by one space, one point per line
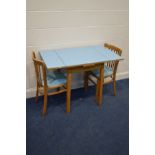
55 78
107 72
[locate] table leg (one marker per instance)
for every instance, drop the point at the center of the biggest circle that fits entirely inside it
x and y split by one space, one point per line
97 91
101 84
45 101
69 80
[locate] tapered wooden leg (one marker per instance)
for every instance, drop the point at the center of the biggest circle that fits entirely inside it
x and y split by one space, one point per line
85 81
101 84
37 91
45 102
69 79
114 87
97 91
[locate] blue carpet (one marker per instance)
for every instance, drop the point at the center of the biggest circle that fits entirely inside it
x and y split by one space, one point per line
87 130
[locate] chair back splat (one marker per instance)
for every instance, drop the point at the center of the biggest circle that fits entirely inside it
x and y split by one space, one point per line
113 64
40 70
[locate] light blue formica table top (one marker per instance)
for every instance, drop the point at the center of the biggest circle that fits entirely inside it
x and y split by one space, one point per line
69 57
51 59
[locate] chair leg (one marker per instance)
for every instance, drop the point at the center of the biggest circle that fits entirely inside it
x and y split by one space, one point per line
85 81
45 102
37 91
114 87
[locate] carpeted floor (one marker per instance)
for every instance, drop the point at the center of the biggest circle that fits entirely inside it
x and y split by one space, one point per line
87 130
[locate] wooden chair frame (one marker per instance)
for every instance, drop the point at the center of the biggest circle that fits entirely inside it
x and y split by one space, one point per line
41 82
112 64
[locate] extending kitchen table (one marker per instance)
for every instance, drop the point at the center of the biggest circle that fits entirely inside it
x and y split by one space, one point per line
78 60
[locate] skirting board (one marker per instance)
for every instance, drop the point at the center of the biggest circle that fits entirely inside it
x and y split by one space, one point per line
31 92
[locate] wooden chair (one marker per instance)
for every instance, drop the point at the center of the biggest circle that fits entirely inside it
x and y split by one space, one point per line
45 81
110 69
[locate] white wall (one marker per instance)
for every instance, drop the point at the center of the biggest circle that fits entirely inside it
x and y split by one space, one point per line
72 23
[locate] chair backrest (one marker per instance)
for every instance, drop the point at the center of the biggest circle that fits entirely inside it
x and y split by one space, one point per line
113 48
40 70
113 64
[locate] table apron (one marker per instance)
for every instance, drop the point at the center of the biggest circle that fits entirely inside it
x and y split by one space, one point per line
84 68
